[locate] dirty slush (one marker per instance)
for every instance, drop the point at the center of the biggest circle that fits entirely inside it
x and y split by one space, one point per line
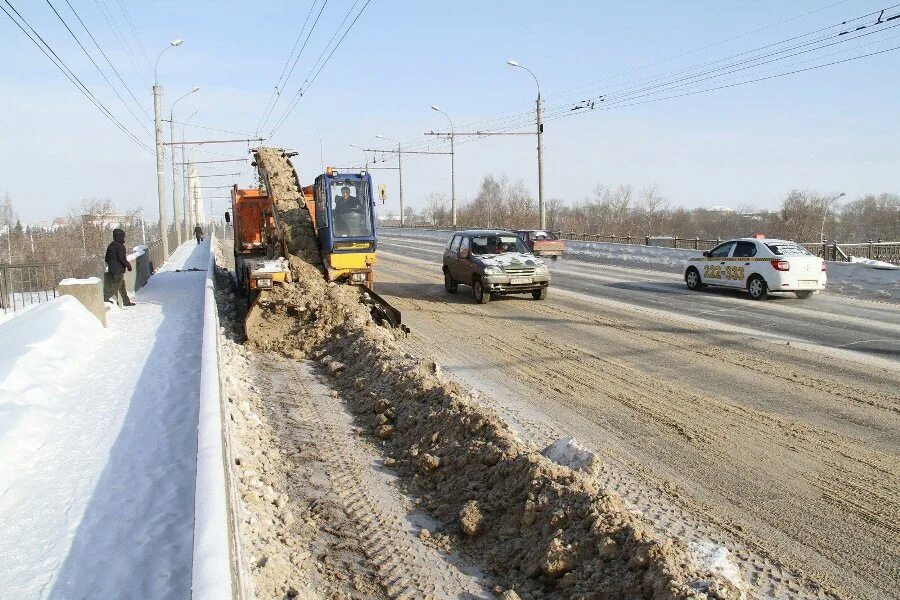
532 526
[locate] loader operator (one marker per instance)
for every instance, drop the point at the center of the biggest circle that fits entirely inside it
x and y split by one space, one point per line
346 202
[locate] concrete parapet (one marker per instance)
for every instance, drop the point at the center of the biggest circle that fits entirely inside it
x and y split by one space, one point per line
87 291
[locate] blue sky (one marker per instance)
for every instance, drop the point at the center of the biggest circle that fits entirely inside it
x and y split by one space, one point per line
830 129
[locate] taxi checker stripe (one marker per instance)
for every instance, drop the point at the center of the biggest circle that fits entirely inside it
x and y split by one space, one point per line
733 259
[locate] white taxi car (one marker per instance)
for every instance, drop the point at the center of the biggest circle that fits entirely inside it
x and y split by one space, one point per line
760 266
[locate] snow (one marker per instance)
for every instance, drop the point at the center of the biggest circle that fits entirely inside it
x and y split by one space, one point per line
88 281
859 279
211 576
874 264
718 560
569 453
99 442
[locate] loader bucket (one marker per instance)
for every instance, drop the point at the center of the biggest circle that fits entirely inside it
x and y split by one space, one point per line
381 310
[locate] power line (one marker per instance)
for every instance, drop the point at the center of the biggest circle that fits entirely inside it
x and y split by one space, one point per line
516 120
294 65
114 27
302 91
109 62
61 65
270 105
137 37
96 66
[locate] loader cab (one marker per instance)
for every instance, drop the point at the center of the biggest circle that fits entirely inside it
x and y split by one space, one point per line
345 212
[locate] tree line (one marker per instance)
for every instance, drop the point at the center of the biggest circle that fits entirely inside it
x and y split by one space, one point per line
77 245
623 210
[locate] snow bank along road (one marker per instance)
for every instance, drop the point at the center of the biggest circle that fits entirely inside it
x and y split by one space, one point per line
786 454
98 438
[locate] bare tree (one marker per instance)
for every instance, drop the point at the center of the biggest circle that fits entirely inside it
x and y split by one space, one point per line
650 204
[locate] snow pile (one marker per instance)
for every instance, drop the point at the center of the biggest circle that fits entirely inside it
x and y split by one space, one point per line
40 349
569 453
88 281
99 441
874 264
718 560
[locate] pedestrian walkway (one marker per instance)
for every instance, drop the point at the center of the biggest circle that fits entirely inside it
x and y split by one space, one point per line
100 502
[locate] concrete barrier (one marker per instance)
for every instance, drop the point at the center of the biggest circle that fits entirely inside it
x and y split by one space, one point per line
141 269
213 566
87 291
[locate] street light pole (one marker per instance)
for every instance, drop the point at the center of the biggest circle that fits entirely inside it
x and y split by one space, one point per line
452 167
180 227
540 145
399 171
188 215
160 159
825 214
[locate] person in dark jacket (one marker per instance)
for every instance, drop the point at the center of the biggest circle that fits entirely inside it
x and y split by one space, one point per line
116 265
198 233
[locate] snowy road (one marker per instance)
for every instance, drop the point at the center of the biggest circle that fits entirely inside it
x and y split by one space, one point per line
97 493
787 454
828 320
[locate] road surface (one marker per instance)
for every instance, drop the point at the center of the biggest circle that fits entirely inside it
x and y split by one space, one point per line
719 417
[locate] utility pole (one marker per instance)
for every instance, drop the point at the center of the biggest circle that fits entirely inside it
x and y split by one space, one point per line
160 159
452 167
179 226
160 171
539 113
399 152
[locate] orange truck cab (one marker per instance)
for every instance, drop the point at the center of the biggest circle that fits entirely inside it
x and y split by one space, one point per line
258 249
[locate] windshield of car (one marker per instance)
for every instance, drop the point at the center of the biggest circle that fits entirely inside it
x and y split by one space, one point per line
497 244
351 208
787 249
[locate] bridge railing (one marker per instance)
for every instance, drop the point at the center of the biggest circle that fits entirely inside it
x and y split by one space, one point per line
22 285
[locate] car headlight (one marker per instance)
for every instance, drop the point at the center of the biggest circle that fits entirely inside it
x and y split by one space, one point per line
493 271
542 269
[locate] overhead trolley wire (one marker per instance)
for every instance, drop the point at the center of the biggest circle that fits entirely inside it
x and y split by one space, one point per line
302 91
47 50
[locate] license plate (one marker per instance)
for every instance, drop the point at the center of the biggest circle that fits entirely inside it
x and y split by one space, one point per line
520 280
808 282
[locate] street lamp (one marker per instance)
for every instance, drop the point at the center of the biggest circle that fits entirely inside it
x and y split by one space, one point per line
177 213
540 143
825 214
160 167
452 167
399 170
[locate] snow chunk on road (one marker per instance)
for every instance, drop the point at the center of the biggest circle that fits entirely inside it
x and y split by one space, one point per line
569 453
717 559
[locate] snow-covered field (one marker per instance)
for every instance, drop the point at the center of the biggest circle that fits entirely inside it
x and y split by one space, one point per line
98 434
856 279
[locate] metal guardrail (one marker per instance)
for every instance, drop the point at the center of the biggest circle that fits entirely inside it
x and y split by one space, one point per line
24 284
888 252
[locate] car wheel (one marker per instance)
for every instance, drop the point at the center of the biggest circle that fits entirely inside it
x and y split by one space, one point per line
449 285
540 294
758 288
804 294
481 296
692 279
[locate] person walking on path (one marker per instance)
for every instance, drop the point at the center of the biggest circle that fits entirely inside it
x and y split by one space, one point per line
116 265
198 233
